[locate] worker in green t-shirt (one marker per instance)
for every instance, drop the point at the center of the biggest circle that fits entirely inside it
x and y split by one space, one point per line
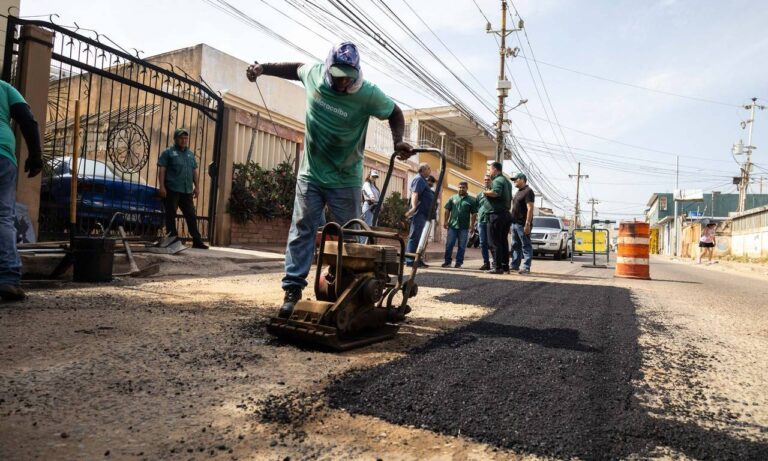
499 218
178 179
339 104
13 106
460 209
483 208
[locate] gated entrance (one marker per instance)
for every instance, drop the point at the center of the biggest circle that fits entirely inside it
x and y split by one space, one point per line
129 109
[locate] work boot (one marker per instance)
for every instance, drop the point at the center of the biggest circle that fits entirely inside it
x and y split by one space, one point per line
292 296
445 265
485 267
12 293
200 245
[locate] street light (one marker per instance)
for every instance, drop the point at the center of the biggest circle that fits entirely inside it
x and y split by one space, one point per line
522 101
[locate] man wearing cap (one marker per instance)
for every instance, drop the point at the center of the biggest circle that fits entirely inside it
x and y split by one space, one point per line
499 218
522 219
422 196
339 104
177 169
371 195
459 210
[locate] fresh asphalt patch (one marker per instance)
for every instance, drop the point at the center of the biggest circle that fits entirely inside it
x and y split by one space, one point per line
549 372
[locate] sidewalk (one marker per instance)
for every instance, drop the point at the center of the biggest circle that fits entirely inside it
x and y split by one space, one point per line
754 269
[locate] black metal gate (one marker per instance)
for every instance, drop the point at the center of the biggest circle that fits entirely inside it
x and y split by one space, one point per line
129 109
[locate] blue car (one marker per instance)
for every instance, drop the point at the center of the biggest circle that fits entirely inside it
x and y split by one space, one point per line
100 194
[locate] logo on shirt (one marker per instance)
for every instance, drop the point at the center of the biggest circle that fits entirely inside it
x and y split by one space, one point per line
328 107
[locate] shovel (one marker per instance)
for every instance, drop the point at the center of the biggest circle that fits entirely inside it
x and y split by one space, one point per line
134 271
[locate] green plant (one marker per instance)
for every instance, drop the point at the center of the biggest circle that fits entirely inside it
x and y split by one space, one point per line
393 212
258 192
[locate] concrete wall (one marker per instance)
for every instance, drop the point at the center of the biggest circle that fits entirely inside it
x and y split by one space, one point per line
752 244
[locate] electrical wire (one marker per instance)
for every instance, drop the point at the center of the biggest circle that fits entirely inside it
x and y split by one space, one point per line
632 85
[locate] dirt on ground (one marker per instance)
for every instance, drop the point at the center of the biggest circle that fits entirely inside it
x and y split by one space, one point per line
566 363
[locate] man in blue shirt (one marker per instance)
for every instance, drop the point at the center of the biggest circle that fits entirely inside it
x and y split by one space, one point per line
421 202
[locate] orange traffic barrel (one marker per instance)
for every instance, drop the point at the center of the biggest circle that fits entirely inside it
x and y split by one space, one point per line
633 252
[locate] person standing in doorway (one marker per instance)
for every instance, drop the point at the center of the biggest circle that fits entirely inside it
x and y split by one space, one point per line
522 220
421 202
707 242
483 208
459 211
499 218
179 186
371 195
13 106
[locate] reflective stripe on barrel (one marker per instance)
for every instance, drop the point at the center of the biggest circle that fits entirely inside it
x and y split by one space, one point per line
633 250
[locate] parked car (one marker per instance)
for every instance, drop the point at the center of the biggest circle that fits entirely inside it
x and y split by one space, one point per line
549 235
100 194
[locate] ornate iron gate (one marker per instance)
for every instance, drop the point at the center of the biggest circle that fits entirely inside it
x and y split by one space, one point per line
130 108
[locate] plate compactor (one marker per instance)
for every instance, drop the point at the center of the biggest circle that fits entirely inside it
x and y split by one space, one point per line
361 289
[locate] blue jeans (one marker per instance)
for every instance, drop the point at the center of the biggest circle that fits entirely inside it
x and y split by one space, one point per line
418 221
482 230
521 247
368 217
453 235
308 215
10 263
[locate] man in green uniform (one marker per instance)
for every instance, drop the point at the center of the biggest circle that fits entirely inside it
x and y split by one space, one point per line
459 210
499 219
178 186
13 106
339 104
483 208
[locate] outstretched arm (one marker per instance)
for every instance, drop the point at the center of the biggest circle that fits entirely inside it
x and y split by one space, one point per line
286 70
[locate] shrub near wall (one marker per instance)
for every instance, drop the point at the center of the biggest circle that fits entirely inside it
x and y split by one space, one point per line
261 204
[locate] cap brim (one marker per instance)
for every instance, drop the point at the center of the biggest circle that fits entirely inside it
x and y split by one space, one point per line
343 71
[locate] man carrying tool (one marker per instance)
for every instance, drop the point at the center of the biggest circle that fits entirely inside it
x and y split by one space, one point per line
499 218
178 186
421 201
458 211
13 106
339 104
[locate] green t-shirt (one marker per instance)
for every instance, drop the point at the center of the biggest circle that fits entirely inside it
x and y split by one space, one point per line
503 189
179 169
8 97
461 209
336 124
483 207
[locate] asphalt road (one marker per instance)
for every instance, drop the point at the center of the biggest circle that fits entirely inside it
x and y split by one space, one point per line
559 369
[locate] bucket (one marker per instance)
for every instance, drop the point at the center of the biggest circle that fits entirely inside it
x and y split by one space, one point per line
633 251
94 257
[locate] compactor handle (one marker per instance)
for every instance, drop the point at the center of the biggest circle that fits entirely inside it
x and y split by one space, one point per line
390 170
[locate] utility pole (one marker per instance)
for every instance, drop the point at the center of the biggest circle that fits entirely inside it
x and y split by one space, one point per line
674 199
746 167
593 202
578 177
503 86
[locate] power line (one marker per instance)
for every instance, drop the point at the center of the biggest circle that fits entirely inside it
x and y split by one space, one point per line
639 87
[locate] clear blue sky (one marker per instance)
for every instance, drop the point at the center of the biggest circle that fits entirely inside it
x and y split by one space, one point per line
710 50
